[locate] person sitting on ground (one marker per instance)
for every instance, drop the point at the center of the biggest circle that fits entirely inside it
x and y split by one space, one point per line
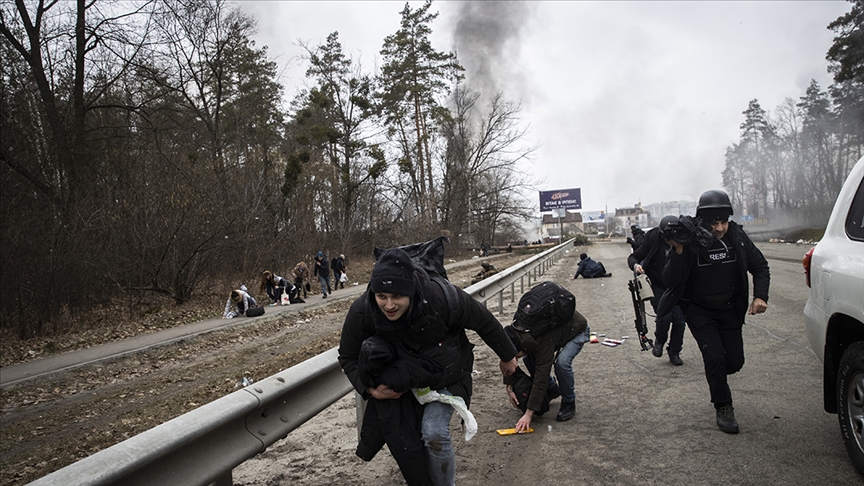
275 286
588 268
488 271
238 303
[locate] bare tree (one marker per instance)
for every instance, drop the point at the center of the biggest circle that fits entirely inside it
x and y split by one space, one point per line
485 154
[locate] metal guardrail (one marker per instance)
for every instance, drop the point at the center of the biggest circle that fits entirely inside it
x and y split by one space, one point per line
531 269
203 446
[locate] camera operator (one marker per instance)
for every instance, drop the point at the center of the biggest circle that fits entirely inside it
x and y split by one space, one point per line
649 258
711 279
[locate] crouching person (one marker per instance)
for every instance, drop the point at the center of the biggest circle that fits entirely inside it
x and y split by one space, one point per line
556 347
238 303
403 306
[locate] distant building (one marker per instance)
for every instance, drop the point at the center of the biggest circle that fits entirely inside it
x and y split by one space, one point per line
550 225
667 208
633 215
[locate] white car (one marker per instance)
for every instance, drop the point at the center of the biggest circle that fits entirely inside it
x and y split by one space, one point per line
834 313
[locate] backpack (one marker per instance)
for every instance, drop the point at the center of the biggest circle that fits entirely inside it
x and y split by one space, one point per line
429 255
547 305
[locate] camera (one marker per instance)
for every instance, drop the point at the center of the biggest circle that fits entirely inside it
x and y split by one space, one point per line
688 230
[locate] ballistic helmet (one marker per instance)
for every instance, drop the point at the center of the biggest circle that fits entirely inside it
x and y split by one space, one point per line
666 220
713 206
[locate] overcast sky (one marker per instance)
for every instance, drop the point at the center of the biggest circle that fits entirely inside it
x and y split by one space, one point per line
629 101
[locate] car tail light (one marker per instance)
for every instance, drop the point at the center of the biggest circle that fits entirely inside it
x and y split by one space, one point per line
808 257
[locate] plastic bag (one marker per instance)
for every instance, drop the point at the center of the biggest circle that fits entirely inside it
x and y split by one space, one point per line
426 395
286 298
343 278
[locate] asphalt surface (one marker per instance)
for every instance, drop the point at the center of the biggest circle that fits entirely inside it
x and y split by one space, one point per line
639 419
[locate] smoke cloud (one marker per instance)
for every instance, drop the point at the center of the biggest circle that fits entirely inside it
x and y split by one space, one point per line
488 41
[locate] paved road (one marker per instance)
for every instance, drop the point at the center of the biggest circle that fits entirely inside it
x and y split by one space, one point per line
639 420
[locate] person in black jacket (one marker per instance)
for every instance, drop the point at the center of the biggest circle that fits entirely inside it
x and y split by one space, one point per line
338 265
638 237
275 286
556 348
588 268
649 258
404 305
713 287
322 271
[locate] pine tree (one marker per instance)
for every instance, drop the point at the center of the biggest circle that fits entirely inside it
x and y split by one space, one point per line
413 79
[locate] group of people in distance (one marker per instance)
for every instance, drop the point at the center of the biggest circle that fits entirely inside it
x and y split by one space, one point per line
275 286
404 341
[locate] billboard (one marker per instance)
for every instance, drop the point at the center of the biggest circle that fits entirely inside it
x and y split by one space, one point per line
560 199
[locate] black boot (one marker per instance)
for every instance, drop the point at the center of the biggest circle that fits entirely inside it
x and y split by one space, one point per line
566 412
657 350
674 358
726 419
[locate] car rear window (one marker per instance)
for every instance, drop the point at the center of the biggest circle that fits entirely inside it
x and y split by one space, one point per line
855 219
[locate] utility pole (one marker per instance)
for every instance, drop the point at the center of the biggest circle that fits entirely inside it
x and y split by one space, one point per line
606 216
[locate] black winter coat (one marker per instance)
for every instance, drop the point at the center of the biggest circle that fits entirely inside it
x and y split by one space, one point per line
432 322
676 273
322 267
543 351
651 254
338 265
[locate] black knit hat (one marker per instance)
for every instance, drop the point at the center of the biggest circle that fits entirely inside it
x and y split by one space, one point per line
393 273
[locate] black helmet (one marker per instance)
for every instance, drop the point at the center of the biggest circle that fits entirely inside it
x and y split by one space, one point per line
714 206
666 220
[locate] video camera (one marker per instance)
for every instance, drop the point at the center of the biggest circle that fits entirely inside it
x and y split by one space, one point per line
687 231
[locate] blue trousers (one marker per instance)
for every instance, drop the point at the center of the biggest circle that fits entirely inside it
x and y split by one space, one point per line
324 280
440 454
564 365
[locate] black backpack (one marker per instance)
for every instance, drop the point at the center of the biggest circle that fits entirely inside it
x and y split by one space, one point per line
547 305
